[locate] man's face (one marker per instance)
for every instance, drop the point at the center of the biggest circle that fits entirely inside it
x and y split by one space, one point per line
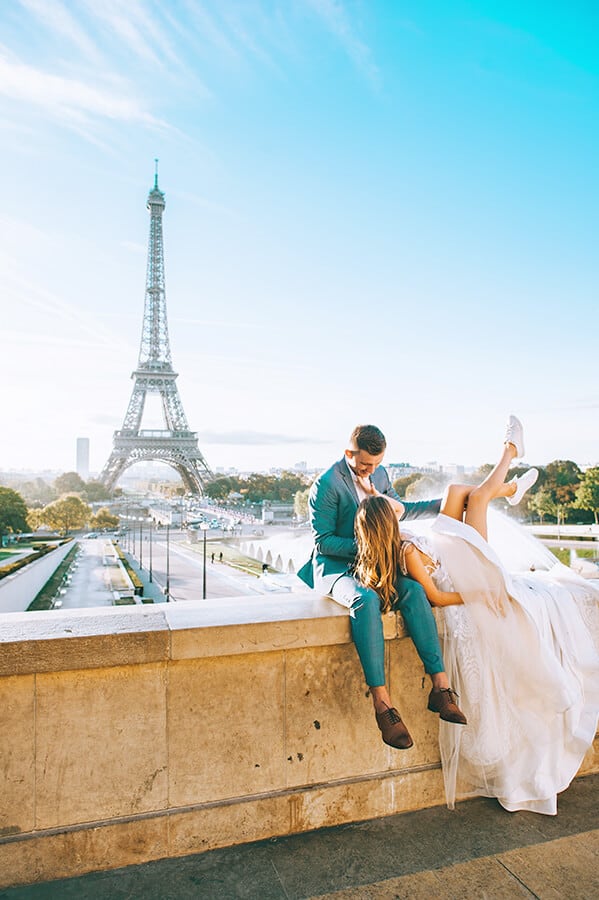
363 463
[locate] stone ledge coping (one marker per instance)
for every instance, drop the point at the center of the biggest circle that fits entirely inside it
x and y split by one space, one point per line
89 638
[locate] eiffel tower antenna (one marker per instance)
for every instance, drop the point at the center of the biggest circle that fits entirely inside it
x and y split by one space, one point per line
175 444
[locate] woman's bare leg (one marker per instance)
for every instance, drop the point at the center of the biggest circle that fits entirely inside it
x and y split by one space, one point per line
455 499
493 486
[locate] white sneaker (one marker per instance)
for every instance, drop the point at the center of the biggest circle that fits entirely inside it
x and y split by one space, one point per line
514 434
523 483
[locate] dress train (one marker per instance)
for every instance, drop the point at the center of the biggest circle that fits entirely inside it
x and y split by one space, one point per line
523 655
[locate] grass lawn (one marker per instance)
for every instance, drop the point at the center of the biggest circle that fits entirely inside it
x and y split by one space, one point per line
16 550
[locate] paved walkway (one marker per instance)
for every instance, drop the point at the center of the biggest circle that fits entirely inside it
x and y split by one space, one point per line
476 851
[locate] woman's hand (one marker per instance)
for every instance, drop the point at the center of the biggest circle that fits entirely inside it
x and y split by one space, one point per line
367 486
369 489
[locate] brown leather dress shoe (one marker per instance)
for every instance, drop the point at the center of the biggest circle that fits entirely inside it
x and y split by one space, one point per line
442 701
394 732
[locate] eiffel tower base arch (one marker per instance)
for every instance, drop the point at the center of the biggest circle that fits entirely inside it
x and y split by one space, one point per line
184 456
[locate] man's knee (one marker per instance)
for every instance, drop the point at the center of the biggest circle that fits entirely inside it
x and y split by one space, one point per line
410 594
366 600
359 599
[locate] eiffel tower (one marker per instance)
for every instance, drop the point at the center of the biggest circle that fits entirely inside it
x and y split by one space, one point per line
175 445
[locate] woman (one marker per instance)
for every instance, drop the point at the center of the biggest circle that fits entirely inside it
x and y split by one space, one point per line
521 649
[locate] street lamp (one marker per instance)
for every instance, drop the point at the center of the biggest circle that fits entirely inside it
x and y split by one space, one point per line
141 547
151 536
167 586
204 527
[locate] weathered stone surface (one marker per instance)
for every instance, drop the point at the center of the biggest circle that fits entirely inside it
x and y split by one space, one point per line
17 733
409 687
416 790
228 824
330 729
257 624
58 640
225 723
86 850
100 744
245 729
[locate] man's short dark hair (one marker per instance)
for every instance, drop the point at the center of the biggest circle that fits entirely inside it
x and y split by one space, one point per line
368 438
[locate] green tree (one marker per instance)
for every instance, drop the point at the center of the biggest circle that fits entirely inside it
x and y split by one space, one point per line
66 514
479 475
300 504
562 477
220 488
36 491
35 519
427 486
13 513
402 484
104 520
69 483
258 487
542 504
587 493
95 491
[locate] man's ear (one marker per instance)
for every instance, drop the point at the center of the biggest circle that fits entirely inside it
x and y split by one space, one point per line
349 453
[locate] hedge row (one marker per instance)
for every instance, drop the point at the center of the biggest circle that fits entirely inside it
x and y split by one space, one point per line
17 564
45 598
137 584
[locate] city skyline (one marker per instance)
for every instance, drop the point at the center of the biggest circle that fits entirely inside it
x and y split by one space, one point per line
376 213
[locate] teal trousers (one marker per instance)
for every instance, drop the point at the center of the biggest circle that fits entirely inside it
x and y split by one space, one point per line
367 625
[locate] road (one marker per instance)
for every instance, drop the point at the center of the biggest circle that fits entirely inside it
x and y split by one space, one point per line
186 570
90 584
91 579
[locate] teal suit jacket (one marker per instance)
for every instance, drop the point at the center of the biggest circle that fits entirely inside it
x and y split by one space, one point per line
333 505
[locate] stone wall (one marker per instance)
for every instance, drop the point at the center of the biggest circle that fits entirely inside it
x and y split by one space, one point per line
18 590
135 733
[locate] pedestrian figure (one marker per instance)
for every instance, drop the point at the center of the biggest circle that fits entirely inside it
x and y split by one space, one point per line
212 558
220 556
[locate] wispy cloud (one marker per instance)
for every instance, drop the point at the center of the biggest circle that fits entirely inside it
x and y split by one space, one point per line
60 96
335 16
133 24
26 294
54 16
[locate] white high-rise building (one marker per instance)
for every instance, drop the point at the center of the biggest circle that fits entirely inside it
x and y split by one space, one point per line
83 458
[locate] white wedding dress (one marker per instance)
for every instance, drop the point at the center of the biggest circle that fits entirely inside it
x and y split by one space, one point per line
523 655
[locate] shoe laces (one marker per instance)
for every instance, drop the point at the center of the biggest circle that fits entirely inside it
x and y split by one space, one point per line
453 695
391 715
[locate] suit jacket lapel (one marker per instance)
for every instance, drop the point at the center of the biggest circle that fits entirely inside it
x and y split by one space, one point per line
348 480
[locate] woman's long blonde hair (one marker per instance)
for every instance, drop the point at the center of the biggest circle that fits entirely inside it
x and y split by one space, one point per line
379 543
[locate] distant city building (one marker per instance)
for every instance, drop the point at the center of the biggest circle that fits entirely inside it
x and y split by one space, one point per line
301 466
400 470
274 512
83 458
454 469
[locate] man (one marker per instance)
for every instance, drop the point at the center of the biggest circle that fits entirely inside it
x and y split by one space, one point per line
334 500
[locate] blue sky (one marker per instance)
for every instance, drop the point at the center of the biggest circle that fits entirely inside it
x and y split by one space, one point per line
378 211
